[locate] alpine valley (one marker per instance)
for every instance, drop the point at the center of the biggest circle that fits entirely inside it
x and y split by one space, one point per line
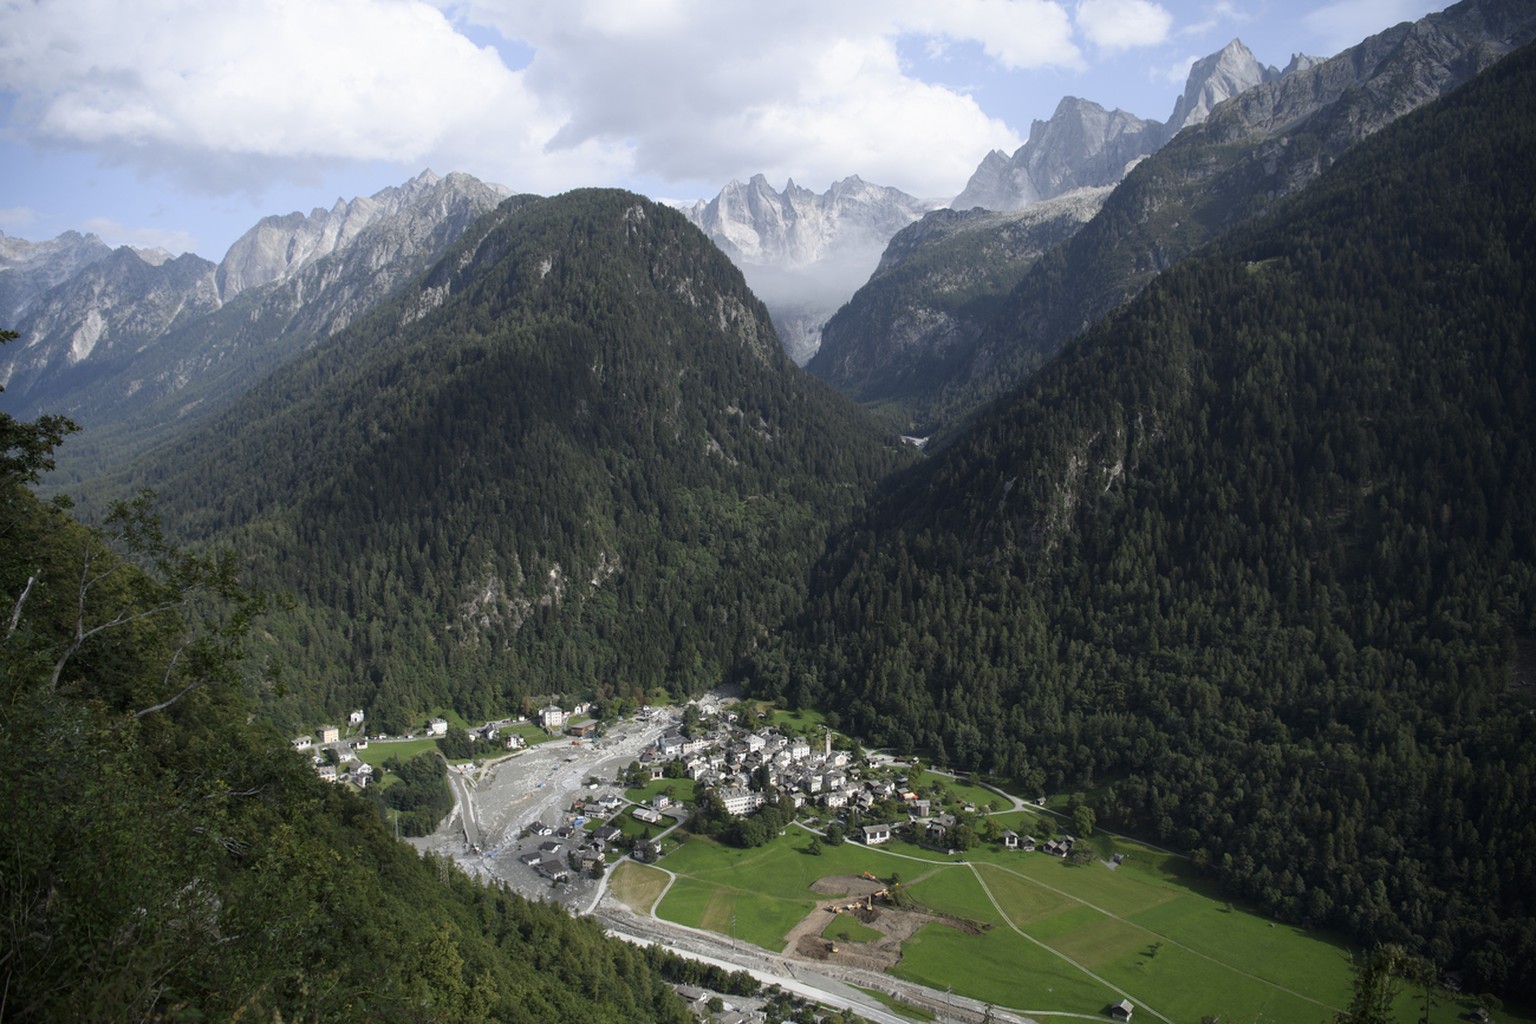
1224 523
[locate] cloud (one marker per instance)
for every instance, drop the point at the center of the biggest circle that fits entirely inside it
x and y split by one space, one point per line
1123 24
1176 73
15 218
1341 25
269 80
115 233
693 92
228 97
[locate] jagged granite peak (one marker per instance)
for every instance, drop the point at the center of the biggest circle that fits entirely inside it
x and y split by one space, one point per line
110 310
1383 77
75 354
1229 71
805 253
28 269
277 247
1084 145
755 223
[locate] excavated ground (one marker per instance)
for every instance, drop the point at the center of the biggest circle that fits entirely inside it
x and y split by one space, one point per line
894 924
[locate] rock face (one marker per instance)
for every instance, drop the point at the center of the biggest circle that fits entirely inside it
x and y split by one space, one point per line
106 312
804 253
1252 150
932 294
279 247
1084 145
1230 71
28 269
755 224
106 334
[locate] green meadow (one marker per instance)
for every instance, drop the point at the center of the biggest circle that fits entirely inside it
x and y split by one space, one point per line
377 752
847 928
1033 933
681 790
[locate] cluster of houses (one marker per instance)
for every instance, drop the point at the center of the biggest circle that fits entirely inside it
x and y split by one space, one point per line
345 767
731 758
342 763
572 848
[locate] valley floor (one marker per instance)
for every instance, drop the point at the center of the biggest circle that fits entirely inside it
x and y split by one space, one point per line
539 785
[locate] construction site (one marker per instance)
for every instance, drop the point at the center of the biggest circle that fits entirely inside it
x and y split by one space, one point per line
880 917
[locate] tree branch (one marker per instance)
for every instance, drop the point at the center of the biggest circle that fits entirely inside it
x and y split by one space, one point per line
16 611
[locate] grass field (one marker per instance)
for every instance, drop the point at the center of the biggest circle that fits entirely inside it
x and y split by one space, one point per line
1039 935
682 790
377 753
847 928
637 886
801 723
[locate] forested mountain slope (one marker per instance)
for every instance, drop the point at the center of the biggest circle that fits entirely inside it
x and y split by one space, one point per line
1255 561
165 859
571 458
1252 151
938 286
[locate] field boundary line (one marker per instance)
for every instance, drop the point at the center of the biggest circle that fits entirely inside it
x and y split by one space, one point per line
1141 1004
1150 931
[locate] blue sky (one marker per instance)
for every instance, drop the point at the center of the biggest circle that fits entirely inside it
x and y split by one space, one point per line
180 123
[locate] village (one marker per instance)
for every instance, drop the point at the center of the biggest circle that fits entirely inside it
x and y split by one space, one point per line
731 753
565 798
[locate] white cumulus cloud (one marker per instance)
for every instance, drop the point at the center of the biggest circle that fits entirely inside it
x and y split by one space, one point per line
1123 24
163 81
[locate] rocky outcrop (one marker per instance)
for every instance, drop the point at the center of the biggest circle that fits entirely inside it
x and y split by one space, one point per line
104 315
132 329
803 253
28 269
279 247
1084 145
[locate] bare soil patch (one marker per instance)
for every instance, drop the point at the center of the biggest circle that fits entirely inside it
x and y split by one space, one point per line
896 925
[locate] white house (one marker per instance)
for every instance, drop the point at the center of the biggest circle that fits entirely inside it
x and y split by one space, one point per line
437 727
553 717
355 719
302 742
874 835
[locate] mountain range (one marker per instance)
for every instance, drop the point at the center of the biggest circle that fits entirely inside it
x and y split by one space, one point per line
135 342
993 330
145 337
1083 145
1225 524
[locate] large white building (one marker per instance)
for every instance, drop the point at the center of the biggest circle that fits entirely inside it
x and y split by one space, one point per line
740 801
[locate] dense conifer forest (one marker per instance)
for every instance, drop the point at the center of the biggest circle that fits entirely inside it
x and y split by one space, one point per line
1254 563
573 459
162 857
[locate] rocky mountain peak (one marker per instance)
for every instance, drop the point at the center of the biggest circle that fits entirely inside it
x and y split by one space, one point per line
27 269
279 246
1083 145
1229 71
805 253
